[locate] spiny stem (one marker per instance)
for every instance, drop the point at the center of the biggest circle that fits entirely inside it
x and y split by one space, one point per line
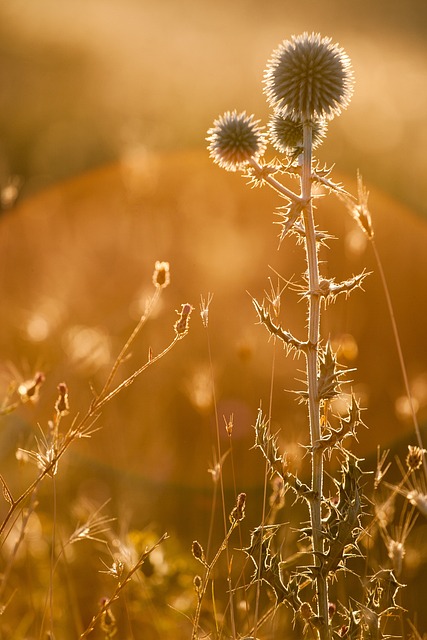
312 374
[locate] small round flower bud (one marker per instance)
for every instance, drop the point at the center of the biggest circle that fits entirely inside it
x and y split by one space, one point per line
198 584
309 77
238 512
286 133
235 139
197 551
161 275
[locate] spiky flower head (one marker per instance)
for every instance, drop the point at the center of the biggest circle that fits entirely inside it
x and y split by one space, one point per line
309 77
287 132
235 139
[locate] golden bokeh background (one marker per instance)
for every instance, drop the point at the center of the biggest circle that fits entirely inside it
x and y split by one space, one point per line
104 108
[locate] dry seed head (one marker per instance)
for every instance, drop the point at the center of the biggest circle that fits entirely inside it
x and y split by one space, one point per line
204 309
181 325
238 512
309 77
29 390
235 139
62 406
414 459
197 583
197 551
161 275
361 211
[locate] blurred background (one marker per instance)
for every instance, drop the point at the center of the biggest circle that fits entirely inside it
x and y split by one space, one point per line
83 83
104 108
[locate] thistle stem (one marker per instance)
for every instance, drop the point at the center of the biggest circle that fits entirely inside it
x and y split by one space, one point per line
312 375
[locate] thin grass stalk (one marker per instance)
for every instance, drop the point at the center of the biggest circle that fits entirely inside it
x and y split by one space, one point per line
120 586
312 356
399 351
209 567
221 482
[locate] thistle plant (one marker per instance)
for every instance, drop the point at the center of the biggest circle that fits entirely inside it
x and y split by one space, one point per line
308 82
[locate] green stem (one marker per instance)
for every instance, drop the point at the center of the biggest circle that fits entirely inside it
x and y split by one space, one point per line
312 374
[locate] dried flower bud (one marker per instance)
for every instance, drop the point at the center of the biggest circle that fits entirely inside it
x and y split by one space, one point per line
29 390
238 512
197 551
309 77
414 459
235 139
181 325
197 583
62 406
161 275
332 608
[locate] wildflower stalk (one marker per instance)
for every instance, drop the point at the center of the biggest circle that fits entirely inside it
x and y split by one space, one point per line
312 354
107 602
236 516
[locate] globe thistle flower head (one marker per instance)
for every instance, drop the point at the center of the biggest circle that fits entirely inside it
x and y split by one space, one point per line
309 77
287 133
235 139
